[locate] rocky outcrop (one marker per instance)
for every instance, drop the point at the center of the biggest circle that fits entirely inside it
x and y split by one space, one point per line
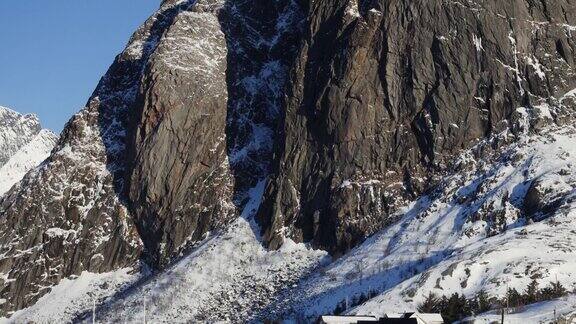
384 94
546 194
205 113
179 184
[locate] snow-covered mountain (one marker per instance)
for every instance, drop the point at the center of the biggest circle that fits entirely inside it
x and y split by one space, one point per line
470 234
274 160
23 145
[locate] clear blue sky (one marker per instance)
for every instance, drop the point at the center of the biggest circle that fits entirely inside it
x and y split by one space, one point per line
53 52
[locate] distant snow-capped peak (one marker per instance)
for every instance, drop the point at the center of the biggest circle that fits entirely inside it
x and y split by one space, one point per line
23 145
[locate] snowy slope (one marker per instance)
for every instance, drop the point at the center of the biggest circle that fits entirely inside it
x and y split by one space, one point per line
225 278
451 251
473 233
26 158
23 145
71 295
15 131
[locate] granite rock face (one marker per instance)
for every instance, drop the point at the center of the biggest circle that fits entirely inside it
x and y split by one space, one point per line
179 181
346 109
177 131
384 94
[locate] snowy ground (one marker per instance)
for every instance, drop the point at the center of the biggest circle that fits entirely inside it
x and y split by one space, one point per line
225 278
70 296
544 312
23 145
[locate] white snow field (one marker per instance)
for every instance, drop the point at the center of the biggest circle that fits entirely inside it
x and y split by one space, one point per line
544 312
70 296
223 279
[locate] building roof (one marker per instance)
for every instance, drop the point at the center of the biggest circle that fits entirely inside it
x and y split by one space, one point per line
423 318
348 319
390 318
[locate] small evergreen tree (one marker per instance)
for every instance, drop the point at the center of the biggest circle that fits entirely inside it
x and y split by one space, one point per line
431 304
558 290
455 308
555 290
531 294
481 303
513 298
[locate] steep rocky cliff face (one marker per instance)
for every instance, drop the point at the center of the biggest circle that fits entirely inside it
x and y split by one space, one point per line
67 216
179 184
384 94
203 128
347 110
